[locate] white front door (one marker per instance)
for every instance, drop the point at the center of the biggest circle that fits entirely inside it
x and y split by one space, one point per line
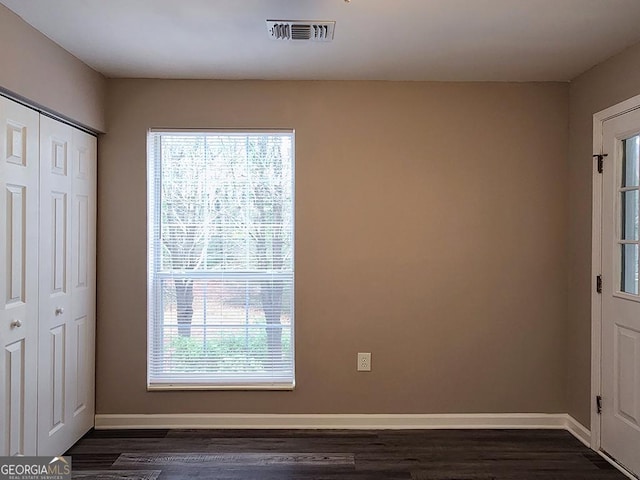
620 368
18 277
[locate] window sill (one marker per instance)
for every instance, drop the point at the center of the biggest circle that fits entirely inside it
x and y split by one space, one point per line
157 387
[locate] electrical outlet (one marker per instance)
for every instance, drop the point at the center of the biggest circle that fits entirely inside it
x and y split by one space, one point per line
364 362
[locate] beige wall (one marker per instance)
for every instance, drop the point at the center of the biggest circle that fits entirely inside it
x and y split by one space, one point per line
462 183
40 71
609 83
431 229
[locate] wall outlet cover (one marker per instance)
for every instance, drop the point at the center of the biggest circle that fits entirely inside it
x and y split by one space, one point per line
364 362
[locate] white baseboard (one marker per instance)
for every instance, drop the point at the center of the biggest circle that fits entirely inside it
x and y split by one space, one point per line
345 421
578 430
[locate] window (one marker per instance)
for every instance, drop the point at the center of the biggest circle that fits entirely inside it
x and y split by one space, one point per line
220 259
629 208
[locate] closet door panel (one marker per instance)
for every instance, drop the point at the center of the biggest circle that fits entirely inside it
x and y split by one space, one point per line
56 369
67 286
18 277
83 272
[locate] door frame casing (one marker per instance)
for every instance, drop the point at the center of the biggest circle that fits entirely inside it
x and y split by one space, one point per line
596 260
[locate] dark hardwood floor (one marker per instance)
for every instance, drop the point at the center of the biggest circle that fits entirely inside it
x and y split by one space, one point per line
336 454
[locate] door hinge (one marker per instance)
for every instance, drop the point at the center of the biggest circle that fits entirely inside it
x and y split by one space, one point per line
599 404
599 284
600 160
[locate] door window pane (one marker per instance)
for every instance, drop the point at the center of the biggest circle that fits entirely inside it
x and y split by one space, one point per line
629 278
631 162
629 211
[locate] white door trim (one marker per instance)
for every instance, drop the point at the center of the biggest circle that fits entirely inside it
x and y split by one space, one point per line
596 260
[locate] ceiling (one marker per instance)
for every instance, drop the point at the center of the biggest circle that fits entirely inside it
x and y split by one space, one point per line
448 40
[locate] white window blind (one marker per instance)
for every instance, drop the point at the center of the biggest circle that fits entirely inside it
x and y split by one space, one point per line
220 259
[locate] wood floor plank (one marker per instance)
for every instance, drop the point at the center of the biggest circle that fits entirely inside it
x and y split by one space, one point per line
138 433
243 459
525 475
271 433
115 474
93 461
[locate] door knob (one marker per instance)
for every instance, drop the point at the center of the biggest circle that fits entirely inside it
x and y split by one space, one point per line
16 324
59 311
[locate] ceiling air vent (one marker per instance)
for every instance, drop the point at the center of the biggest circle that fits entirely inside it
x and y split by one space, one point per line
300 30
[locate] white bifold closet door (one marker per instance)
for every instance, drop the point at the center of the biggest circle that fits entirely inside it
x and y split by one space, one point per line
67 286
18 278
